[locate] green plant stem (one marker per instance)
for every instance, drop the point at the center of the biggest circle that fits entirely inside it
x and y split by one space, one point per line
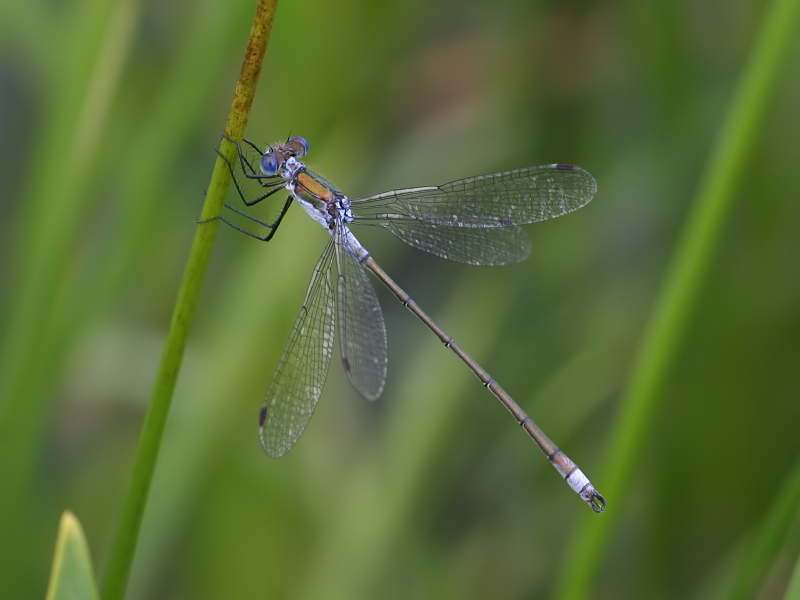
680 290
124 544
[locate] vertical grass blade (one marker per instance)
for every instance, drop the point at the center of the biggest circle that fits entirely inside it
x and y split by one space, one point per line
72 575
681 289
127 533
87 52
773 531
793 589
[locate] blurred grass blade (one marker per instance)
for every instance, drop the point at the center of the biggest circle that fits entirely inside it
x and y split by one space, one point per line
72 577
774 529
793 589
127 533
52 208
93 46
681 288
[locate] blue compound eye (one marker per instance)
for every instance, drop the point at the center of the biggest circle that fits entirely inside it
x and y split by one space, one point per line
298 145
269 165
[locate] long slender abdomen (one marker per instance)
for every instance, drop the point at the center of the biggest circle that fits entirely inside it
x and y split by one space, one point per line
566 468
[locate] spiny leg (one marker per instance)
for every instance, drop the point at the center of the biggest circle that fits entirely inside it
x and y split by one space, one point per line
252 145
276 182
273 227
247 168
274 224
276 185
245 164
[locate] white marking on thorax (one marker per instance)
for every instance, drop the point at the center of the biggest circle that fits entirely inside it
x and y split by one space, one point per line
343 205
344 215
292 167
323 218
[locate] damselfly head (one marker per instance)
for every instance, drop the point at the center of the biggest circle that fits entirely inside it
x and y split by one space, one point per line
276 156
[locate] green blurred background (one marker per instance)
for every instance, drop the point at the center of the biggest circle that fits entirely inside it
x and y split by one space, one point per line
110 112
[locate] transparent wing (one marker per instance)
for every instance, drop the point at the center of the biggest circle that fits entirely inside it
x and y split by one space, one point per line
362 332
498 201
470 245
297 383
515 197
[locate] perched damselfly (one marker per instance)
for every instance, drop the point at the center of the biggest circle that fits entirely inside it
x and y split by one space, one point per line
475 221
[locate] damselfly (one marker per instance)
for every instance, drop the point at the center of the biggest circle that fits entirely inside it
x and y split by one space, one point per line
475 221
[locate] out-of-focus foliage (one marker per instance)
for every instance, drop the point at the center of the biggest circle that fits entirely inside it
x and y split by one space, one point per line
72 577
110 113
